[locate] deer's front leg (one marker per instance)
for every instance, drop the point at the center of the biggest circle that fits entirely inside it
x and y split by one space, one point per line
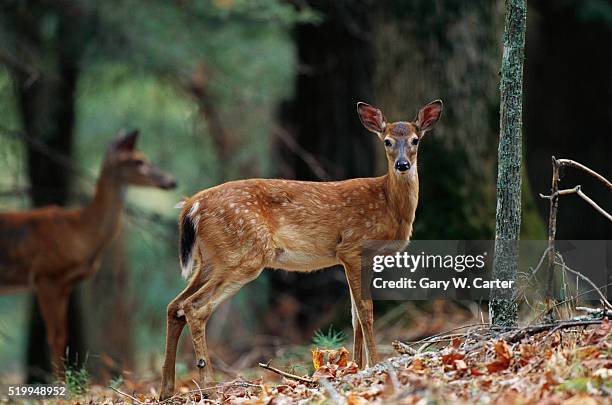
53 302
365 308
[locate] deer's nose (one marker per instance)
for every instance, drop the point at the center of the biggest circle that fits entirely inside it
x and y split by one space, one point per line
402 165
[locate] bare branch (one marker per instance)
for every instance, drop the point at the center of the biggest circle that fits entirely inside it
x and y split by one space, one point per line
581 194
585 278
568 162
594 204
305 380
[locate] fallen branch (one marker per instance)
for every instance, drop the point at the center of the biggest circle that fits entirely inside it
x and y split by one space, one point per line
403 348
595 311
516 336
126 395
305 380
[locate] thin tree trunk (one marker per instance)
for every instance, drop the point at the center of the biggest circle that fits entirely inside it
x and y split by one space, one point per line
503 310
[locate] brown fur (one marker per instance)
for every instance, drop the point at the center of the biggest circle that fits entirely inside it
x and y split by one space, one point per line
243 226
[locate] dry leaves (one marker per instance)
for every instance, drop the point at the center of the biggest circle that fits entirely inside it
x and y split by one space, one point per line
503 357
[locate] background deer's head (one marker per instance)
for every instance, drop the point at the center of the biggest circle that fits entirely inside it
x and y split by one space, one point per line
128 166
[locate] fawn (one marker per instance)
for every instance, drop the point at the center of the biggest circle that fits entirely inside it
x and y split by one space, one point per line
50 249
231 232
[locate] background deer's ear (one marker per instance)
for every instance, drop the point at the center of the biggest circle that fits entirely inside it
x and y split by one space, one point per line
371 118
125 142
429 115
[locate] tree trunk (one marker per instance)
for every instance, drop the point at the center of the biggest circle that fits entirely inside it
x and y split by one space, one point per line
503 311
335 71
46 105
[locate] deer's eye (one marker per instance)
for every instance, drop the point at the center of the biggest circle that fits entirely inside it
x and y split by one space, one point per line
415 141
387 143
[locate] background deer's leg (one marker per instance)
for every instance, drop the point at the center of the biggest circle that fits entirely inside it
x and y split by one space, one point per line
199 307
174 326
365 308
53 302
357 334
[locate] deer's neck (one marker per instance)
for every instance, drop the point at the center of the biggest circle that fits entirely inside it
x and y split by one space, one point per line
402 193
102 216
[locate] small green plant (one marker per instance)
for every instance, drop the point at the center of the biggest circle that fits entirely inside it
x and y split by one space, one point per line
116 382
76 379
332 339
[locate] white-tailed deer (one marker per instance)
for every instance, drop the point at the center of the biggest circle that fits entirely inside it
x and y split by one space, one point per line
51 249
231 232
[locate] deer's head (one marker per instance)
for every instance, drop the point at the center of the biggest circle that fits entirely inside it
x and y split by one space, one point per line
402 138
127 165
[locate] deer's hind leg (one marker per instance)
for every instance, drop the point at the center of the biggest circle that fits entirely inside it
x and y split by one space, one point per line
175 322
200 305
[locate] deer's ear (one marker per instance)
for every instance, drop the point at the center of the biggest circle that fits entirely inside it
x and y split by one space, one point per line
126 142
371 118
429 115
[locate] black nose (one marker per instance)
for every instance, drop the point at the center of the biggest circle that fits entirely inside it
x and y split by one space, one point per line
169 184
402 165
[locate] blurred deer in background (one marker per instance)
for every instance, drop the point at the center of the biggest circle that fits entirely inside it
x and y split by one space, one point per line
231 232
51 249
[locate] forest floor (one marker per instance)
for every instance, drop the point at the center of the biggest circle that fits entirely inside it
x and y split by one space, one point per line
569 364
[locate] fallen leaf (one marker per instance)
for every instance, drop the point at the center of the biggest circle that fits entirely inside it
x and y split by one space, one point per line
451 356
503 357
317 358
460 365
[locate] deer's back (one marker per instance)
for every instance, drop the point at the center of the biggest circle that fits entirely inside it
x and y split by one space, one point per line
293 225
36 241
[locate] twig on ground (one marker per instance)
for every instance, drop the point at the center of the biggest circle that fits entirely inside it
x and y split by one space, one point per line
305 380
126 395
532 330
595 311
403 348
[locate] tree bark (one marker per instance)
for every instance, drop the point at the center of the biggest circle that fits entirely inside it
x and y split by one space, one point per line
503 311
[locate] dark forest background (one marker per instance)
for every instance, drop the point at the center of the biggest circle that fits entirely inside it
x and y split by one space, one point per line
227 89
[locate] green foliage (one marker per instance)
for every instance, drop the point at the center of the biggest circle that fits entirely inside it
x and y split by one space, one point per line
332 339
76 379
116 382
